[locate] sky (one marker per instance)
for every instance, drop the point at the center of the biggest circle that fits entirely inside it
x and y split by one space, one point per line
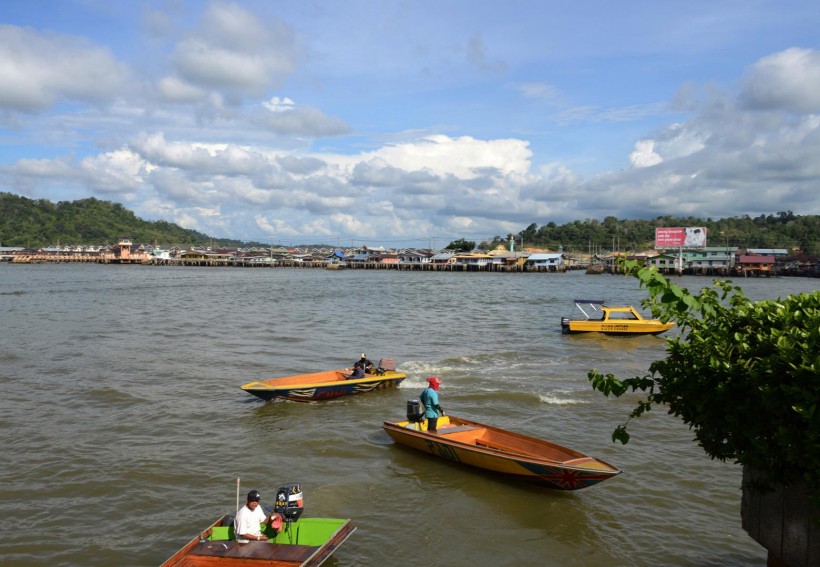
411 123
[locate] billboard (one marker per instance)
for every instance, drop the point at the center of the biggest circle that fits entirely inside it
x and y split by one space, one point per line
689 237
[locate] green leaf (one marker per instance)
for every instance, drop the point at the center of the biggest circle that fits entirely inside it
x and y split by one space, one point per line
621 435
743 375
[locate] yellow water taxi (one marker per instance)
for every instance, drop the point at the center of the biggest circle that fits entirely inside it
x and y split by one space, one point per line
599 318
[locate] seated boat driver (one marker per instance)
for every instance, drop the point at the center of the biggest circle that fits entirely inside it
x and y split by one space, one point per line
365 365
249 520
358 372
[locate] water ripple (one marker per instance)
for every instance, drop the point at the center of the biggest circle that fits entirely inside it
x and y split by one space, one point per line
121 408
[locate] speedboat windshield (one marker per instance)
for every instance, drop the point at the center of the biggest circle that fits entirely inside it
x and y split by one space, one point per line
593 305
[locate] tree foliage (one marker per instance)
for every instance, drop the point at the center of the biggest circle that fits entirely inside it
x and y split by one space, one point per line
783 230
744 375
461 245
30 223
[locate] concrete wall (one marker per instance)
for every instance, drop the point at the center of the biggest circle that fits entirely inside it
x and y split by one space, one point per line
784 521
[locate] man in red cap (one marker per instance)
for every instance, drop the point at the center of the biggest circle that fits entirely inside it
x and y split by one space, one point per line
432 409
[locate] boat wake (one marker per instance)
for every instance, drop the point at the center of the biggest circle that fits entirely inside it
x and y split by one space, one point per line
558 400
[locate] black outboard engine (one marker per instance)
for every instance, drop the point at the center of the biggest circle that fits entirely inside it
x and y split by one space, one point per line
564 325
415 411
289 503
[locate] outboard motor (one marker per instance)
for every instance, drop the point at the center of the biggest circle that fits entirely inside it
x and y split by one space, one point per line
386 364
415 411
289 503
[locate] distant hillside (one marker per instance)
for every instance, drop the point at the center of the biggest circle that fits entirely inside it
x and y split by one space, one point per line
30 223
795 233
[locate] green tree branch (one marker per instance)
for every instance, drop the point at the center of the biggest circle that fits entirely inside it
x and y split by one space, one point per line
744 375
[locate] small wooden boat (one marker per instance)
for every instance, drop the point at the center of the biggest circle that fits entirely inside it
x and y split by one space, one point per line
327 385
510 454
622 321
307 542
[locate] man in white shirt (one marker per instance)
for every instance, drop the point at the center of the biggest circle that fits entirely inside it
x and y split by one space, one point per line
250 517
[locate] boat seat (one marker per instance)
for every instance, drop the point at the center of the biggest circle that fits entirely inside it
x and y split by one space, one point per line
456 429
221 533
506 448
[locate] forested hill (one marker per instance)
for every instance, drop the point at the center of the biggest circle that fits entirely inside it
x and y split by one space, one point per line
800 234
30 223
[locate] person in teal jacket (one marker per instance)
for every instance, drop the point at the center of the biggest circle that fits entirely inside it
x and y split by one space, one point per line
432 409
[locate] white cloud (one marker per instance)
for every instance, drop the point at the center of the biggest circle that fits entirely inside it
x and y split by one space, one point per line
174 89
788 80
113 172
39 69
352 224
223 159
542 91
644 154
284 117
236 52
45 168
275 227
458 186
175 187
464 157
277 104
674 141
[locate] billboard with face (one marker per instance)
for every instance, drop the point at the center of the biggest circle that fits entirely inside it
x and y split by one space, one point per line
688 237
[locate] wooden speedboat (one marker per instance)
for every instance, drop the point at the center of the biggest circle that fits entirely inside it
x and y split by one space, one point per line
510 454
307 542
599 318
327 385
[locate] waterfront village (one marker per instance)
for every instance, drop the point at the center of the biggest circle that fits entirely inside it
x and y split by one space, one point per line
719 261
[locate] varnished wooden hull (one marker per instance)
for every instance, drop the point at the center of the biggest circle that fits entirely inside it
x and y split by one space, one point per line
322 385
202 551
510 454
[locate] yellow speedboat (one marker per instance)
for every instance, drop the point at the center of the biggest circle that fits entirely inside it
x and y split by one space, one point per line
599 318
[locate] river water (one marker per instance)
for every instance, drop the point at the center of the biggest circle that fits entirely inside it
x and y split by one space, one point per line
123 428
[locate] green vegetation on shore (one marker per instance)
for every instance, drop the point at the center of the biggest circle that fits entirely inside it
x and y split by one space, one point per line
37 223
30 223
783 230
